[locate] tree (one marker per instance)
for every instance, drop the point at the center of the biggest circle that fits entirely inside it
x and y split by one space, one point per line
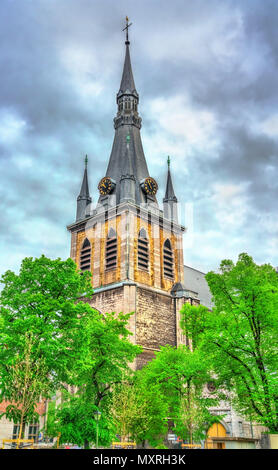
103 361
127 407
193 322
105 355
241 336
39 317
72 343
180 375
27 381
139 411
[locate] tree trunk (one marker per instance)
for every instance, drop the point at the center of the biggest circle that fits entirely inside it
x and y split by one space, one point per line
21 429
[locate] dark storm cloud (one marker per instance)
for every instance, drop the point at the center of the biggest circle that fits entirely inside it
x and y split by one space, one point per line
61 63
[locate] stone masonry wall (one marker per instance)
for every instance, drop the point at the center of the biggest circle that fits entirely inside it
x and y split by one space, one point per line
155 320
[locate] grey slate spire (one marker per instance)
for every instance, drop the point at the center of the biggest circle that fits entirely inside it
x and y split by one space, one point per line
170 200
127 83
127 123
127 182
84 199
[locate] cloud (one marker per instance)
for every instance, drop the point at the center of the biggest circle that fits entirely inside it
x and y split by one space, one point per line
206 75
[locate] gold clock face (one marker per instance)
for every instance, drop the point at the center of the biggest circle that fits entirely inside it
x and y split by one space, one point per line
150 186
105 186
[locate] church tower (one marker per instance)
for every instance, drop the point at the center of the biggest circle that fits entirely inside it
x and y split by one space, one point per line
133 248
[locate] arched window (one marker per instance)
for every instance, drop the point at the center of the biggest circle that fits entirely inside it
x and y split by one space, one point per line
143 250
168 260
111 250
85 256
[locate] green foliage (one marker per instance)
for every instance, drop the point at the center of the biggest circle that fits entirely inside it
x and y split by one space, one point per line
139 411
75 419
240 336
105 355
193 322
179 375
26 382
243 334
49 336
42 300
38 315
103 361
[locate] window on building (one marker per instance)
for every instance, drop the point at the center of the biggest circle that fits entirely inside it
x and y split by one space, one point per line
15 434
111 250
168 260
143 250
85 256
15 431
33 431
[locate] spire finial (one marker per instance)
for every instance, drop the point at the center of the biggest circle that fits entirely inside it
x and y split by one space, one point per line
86 161
168 161
126 29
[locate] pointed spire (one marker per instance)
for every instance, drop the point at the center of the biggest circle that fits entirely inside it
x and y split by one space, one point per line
127 83
84 192
170 200
169 193
84 198
127 164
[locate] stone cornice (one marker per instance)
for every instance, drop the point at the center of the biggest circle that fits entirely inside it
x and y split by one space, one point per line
100 215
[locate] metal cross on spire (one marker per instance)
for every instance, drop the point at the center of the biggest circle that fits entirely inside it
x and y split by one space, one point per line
126 29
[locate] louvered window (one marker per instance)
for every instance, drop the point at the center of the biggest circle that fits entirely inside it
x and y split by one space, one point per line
143 250
111 250
168 260
85 256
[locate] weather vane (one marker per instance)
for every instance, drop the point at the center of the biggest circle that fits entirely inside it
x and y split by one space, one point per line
126 29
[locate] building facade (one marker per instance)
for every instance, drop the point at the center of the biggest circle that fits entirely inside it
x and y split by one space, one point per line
133 249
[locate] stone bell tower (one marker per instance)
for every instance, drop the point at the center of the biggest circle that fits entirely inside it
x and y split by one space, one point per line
133 249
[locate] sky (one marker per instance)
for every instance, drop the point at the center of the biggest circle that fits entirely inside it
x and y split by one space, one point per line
206 73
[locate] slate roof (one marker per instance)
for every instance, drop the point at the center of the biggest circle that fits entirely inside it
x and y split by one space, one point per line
127 82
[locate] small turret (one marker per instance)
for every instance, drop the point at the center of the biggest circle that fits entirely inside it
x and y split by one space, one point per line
170 202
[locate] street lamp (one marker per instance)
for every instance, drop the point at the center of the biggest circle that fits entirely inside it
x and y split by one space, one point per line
97 414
